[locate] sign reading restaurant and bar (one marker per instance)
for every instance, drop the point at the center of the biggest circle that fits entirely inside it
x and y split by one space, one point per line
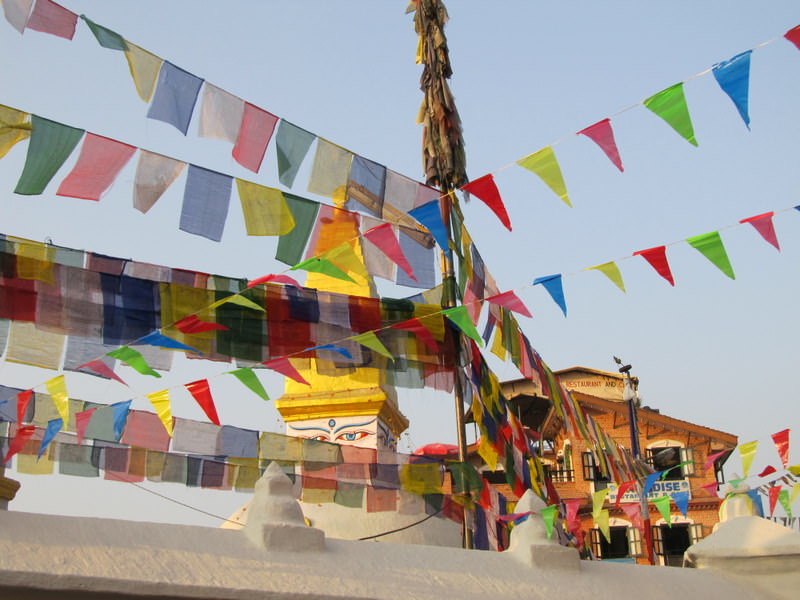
595 383
659 489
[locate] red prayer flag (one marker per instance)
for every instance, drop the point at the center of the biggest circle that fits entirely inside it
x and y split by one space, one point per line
768 470
202 394
52 18
711 488
486 189
764 226
284 367
510 301
623 487
100 160
418 329
711 459
633 511
23 398
193 324
781 440
254 135
82 422
602 134
573 522
19 441
385 240
657 257
774 493
793 35
285 279
101 368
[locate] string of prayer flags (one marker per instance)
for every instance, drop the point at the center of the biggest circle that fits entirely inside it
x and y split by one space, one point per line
145 68
285 367
50 145
160 401
154 174
57 388
120 411
193 324
793 35
733 76
291 146
104 36
747 452
16 13
611 270
459 315
552 283
385 239
781 440
371 341
175 96
82 422
429 215
102 369
23 400
265 209
544 164
662 504
254 136
710 245
133 359
202 394
670 105
19 441
159 340
764 226
99 162
52 18
15 126
657 257
486 190
220 114
205 203
53 427
324 266
602 134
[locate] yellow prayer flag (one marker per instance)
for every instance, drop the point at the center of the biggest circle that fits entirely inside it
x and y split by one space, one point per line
160 401
601 521
15 126
34 261
611 270
240 300
348 260
144 67
497 345
598 498
421 478
330 170
545 165
748 453
57 388
265 209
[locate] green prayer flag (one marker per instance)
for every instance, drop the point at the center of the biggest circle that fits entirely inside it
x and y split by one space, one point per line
250 379
50 145
670 105
238 299
611 270
324 266
545 165
710 246
291 245
371 341
783 498
549 516
291 145
133 359
662 504
460 316
466 479
105 37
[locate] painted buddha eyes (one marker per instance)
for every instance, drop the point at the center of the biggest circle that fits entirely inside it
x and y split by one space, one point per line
352 436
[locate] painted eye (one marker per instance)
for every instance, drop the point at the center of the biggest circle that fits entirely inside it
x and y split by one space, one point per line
318 438
352 436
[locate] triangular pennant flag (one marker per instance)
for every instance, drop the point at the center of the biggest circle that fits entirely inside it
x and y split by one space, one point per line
291 145
251 381
711 488
764 226
16 13
486 189
371 341
345 257
681 500
712 458
283 279
160 401
105 37
768 470
159 340
793 35
101 368
285 367
783 498
601 521
733 76
121 410
657 257
23 399
202 394
747 452
254 135
57 388
509 300
333 348
193 324
623 487
15 126
52 18
133 359
710 245
598 498
549 517
430 216
175 97
385 239
611 270
602 134
650 481
781 440
144 67
459 315
662 504
545 165
552 283
53 427
99 162
633 511
418 329
324 266
239 300
572 507
50 145
19 441
154 174
82 422
265 209
670 105
795 492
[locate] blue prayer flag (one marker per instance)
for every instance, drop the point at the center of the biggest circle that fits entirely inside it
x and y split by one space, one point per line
430 215
205 203
733 76
552 283
120 417
53 427
175 96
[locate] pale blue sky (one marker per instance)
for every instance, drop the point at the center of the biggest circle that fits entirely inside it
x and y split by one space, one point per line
527 74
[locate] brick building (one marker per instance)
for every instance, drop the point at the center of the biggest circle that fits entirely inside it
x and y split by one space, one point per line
677 447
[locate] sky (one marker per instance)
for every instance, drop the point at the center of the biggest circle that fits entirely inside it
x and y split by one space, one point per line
527 74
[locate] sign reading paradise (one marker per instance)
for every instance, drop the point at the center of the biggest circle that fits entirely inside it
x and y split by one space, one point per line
659 489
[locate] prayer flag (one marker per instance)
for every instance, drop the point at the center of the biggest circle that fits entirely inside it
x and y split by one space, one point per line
99 162
82 422
254 135
366 186
601 521
650 481
430 216
52 18
633 511
154 174
598 498
291 144
733 76
670 105
545 165
285 367
711 488
602 134
202 394
220 114
662 504
572 506
486 189
120 416
23 400
549 516
291 245
657 257
15 126
239 300
385 239
783 498
324 266
133 359
104 36
51 144
145 68
681 500
712 458
205 203
265 209
764 226
278 279
781 440
774 492
793 35
159 340
710 246
611 270
193 324
371 341
16 13
160 401
57 388
420 331
747 452
175 97
19 441
510 301
768 470
552 283
250 379
53 427
460 316
624 487
102 369
330 170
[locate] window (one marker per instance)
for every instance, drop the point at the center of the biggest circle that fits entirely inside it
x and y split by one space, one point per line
626 542
563 470
678 462
591 472
671 542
